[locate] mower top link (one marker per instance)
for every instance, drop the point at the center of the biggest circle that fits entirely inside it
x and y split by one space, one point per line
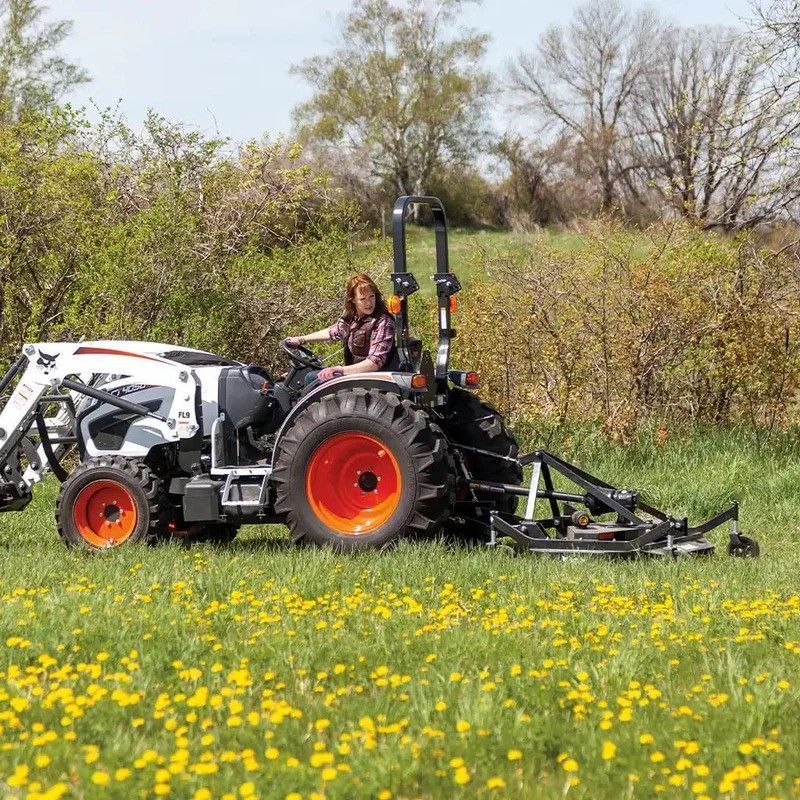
176 442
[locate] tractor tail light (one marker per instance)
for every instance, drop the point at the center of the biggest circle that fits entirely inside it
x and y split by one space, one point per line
419 382
469 380
394 304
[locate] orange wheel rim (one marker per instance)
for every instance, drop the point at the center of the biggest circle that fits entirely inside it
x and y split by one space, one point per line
104 513
353 483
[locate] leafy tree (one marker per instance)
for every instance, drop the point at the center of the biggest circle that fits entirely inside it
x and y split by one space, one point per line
402 91
32 73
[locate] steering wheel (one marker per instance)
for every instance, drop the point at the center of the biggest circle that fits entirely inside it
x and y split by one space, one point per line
302 357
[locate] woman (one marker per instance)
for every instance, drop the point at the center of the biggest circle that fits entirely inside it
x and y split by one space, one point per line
366 328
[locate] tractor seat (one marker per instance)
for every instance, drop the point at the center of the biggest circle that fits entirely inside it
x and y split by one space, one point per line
393 364
240 396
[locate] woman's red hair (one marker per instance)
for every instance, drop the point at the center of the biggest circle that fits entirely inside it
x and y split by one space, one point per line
358 280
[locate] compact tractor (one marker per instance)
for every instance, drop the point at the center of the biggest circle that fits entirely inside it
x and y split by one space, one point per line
172 441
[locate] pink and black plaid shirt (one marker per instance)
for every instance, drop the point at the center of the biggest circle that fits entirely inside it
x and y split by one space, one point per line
380 341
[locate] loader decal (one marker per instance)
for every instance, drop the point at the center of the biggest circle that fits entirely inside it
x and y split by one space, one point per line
107 351
46 360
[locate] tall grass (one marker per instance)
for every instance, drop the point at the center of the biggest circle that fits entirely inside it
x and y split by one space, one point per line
424 671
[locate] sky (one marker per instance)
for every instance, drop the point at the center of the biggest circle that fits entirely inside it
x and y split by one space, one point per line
223 67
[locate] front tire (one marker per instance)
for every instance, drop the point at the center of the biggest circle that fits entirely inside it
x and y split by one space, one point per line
361 468
108 501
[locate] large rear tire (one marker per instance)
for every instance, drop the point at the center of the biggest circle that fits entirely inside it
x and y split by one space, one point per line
109 501
360 468
480 426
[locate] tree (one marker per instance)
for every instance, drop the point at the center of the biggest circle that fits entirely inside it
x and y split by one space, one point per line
32 73
714 135
582 81
399 91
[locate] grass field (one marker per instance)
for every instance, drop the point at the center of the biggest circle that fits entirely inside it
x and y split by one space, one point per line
468 251
263 670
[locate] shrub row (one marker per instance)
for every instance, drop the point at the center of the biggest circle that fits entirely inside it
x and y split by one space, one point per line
667 324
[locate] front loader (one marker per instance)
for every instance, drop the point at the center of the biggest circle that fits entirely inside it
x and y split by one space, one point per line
152 441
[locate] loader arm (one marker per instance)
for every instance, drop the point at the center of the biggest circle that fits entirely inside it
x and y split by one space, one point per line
37 419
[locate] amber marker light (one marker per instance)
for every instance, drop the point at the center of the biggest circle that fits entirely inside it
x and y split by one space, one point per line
453 303
419 382
395 304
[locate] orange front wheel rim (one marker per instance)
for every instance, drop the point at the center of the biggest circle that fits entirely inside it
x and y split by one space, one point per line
353 483
104 513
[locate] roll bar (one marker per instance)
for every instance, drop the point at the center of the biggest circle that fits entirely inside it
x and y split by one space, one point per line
404 284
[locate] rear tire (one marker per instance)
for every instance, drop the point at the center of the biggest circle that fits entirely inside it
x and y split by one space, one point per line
476 424
109 501
360 468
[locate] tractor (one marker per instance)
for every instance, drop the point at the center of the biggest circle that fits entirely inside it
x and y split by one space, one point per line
177 442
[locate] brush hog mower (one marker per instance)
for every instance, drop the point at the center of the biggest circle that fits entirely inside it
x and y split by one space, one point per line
152 441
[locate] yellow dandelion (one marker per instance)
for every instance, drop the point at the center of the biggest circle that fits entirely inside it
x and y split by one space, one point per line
462 776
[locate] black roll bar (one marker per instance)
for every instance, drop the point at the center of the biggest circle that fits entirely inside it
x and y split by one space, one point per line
446 283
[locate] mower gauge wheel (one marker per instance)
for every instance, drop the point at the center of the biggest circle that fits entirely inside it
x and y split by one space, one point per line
744 548
302 357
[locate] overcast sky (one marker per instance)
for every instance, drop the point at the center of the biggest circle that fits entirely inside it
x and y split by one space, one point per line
224 66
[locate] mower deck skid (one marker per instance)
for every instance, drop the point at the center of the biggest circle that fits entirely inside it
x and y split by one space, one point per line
639 528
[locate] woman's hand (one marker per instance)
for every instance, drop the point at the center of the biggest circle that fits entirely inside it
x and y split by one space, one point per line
330 372
294 341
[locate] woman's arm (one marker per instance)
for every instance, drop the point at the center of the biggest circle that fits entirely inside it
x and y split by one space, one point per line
318 336
362 366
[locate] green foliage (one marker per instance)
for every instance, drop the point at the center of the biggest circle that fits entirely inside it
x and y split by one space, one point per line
397 93
674 325
468 197
163 235
32 73
51 216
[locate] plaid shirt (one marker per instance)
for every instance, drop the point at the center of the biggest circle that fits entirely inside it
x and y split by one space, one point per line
380 341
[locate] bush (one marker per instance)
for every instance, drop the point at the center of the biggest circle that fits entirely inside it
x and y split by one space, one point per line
673 324
164 235
52 214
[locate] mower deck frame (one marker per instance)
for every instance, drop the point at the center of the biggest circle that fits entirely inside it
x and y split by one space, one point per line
639 528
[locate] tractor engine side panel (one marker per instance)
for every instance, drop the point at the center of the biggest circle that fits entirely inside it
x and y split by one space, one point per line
103 428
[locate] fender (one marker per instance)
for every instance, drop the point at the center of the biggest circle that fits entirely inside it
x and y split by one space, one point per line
397 382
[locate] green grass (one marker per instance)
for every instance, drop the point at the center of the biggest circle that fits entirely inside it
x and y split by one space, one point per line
415 672
468 250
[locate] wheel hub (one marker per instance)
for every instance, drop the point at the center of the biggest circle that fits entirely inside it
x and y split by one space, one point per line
368 481
105 513
353 483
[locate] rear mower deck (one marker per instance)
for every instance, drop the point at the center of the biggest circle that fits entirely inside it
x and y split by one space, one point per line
639 528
